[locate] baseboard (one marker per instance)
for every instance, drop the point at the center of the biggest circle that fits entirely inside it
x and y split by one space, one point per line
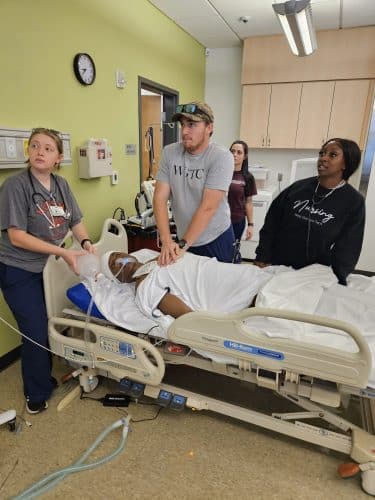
10 357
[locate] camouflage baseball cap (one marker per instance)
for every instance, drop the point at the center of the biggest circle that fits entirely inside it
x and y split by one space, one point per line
195 111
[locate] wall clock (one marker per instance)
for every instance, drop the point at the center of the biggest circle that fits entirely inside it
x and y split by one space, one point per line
84 68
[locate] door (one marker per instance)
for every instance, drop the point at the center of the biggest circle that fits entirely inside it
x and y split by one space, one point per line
152 134
156 106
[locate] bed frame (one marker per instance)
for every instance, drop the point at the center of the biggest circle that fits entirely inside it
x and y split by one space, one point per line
306 375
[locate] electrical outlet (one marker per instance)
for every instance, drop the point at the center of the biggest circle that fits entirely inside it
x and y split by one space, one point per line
279 176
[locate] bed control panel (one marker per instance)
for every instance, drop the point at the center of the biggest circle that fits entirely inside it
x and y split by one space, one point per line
77 355
117 347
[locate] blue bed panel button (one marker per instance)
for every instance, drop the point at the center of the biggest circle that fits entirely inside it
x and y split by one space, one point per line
126 385
178 402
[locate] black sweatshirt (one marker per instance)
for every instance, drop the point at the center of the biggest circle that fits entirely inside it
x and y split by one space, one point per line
304 226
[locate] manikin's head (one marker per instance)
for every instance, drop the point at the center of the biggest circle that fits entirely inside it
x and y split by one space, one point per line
119 266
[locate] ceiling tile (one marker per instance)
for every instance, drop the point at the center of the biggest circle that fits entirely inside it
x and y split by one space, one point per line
216 24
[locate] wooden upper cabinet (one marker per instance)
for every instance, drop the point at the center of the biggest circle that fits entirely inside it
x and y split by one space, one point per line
349 110
345 54
254 114
314 114
283 117
269 115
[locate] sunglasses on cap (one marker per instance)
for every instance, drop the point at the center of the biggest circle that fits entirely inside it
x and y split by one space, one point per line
192 109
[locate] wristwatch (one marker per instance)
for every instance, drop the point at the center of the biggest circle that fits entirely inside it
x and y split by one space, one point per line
183 244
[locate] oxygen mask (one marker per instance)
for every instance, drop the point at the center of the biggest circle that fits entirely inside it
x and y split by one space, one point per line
114 266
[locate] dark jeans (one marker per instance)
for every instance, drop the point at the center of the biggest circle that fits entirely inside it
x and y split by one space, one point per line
23 292
238 229
222 248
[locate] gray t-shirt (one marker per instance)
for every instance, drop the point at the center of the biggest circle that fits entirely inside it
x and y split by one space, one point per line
188 175
25 208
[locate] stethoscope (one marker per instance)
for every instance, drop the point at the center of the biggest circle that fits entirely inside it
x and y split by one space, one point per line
59 212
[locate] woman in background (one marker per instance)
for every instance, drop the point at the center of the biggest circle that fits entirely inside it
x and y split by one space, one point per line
37 209
319 220
240 193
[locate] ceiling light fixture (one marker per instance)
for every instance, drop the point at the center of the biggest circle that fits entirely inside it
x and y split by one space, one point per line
295 17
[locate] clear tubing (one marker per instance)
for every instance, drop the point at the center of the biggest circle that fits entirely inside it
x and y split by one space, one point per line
54 478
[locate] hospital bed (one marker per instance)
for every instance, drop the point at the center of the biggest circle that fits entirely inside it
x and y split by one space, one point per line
312 376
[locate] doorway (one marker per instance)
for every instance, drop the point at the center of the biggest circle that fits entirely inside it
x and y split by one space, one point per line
156 106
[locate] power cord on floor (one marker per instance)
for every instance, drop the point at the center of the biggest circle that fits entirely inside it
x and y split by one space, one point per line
154 417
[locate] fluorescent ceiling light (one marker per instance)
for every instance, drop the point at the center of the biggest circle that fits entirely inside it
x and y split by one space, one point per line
295 17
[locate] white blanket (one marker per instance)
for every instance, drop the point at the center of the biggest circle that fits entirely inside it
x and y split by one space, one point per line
314 290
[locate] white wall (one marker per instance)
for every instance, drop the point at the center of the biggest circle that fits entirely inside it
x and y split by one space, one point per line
223 92
279 161
367 259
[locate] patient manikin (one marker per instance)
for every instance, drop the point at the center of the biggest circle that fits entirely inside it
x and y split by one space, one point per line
193 283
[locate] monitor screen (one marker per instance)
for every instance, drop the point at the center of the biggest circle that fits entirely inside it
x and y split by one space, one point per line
303 168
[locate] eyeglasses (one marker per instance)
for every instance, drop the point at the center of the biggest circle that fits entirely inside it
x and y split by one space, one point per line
192 109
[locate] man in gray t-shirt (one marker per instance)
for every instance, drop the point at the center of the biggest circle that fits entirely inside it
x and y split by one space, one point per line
195 176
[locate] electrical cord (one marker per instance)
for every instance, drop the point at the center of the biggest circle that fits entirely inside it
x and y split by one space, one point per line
124 412
122 213
148 419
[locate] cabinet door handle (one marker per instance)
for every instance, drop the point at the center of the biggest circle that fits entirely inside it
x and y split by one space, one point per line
262 141
269 141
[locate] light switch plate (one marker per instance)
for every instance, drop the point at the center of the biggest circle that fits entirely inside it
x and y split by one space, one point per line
120 79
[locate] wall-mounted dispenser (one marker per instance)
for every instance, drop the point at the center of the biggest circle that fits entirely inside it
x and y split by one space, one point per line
95 159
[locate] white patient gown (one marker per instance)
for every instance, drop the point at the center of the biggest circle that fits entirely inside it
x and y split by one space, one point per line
203 283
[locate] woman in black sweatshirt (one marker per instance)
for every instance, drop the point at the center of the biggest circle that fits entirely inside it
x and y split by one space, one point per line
319 219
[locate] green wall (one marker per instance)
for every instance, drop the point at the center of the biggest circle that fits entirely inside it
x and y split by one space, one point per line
38 40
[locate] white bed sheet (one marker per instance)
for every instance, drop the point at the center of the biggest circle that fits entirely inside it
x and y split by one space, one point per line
314 290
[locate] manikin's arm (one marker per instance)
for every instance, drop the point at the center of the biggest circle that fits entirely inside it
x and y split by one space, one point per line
173 306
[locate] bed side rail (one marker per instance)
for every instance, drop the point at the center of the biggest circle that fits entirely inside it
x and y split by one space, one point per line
108 350
228 335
